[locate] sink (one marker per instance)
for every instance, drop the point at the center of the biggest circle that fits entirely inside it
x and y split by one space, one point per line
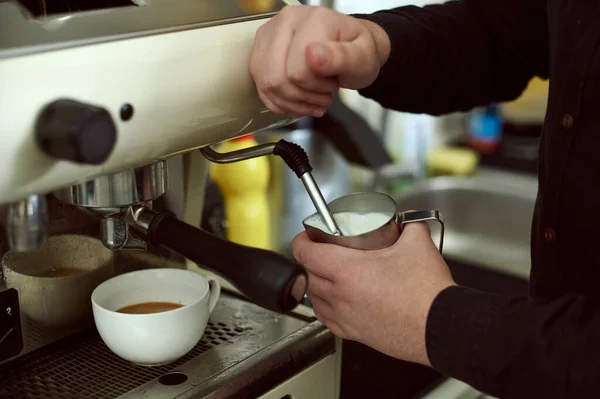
487 217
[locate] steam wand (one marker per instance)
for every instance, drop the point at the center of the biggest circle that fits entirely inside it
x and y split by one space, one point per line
297 160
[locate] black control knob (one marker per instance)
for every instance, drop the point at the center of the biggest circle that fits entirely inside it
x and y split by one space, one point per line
77 132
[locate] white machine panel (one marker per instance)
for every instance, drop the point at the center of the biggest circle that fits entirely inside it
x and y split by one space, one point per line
188 88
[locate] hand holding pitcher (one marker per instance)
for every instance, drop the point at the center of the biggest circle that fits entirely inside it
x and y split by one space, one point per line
380 296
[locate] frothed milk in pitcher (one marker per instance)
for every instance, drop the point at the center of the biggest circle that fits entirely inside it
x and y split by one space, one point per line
352 223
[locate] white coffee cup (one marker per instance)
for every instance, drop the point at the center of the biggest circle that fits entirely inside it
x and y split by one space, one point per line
154 339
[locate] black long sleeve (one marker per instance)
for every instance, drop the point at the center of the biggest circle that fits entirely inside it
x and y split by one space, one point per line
517 347
465 53
454 56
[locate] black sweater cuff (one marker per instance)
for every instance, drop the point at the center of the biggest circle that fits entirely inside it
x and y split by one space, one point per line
457 325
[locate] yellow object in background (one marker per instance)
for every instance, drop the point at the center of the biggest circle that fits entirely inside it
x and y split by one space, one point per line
452 161
530 107
257 5
244 186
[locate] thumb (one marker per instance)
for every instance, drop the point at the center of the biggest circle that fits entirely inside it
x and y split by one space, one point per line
350 62
420 229
328 59
301 248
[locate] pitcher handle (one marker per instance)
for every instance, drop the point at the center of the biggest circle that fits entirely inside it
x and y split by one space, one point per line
423 216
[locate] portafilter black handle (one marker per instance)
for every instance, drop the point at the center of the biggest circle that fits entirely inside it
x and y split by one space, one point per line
265 277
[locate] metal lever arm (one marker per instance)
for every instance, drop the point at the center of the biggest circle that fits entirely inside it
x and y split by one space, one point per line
297 160
239 155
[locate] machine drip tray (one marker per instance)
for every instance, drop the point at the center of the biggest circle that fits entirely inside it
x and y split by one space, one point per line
82 366
242 343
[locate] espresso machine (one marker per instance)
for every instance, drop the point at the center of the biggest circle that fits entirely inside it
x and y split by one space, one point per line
108 111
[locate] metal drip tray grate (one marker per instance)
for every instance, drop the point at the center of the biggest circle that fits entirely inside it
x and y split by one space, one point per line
82 366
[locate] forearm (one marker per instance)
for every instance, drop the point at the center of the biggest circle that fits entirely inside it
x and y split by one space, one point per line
457 55
516 347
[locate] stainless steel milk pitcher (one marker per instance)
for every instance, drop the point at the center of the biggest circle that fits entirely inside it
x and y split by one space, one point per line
371 234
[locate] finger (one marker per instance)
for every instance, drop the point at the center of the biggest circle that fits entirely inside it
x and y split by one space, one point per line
351 62
331 325
298 72
269 104
301 75
268 69
317 258
417 235
296 108
326 315
418 228
292 92
335 329
322 307
280 107
316 84
319 286
269 57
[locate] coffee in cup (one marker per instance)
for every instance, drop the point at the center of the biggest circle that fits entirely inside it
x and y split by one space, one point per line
149 307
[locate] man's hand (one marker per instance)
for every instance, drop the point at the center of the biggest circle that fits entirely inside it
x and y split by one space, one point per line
379 298
304 54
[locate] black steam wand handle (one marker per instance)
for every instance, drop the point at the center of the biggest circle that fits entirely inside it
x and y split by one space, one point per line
265 277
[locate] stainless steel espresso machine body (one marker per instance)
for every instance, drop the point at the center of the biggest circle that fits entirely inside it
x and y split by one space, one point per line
102 112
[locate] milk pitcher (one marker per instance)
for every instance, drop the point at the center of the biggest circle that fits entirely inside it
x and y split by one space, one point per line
369 221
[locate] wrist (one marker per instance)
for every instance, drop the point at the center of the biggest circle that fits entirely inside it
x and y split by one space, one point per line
381 40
